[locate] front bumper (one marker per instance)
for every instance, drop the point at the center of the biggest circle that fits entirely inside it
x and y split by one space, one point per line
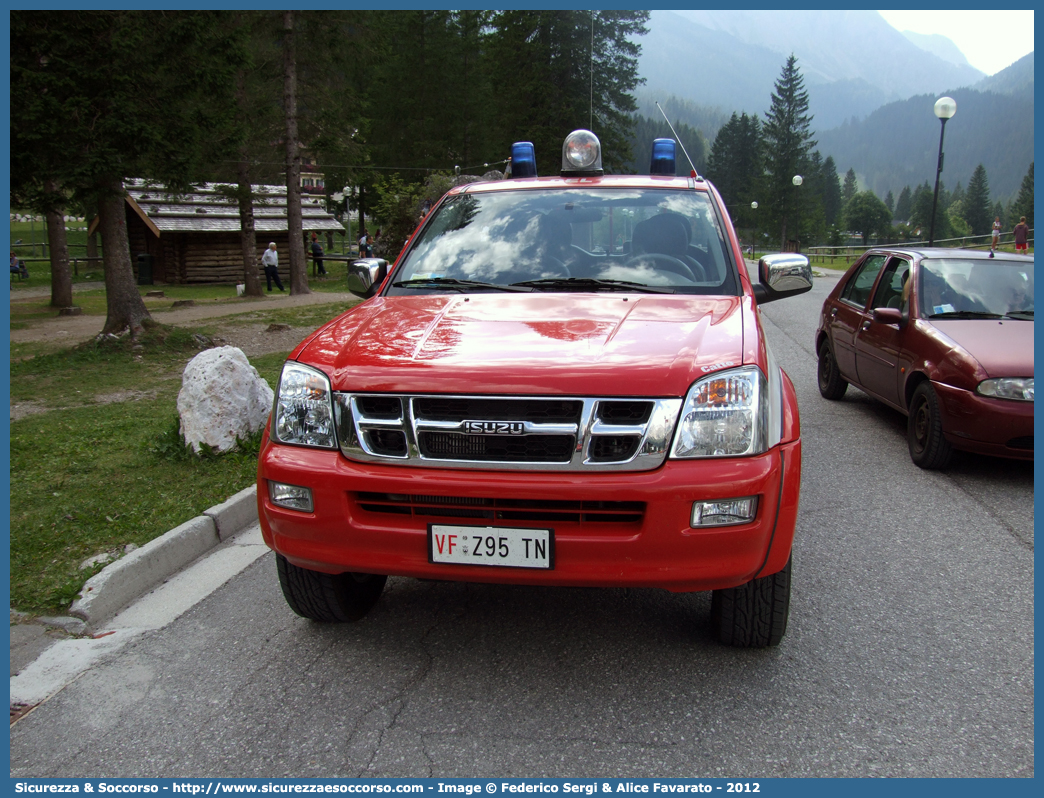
981 424
347 531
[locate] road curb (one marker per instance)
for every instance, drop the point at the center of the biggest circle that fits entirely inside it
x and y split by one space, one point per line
235 514
120 583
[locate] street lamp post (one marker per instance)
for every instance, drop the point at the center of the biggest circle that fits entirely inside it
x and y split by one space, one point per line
754 233
945 108
797 180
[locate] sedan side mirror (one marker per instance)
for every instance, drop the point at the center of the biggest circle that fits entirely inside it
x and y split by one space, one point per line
782 275
888 316
366 275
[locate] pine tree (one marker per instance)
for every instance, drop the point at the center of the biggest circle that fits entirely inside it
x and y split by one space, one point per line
1024 201
890 202
812 225
788 146
903 205
921 212
851 186
735 164
557 71
832 204
977 203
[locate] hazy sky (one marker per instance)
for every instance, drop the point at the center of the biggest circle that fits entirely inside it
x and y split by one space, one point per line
990 40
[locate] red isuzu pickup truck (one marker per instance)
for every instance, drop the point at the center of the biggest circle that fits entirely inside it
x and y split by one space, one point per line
561 381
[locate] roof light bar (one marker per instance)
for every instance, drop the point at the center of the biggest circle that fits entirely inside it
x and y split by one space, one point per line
663 157
523 159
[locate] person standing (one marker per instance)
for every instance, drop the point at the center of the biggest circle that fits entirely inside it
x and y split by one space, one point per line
995 241
317 255
270 260
1021 236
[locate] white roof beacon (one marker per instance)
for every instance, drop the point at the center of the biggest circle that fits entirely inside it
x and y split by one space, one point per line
582 155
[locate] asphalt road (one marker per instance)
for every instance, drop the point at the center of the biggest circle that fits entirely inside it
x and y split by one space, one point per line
909 651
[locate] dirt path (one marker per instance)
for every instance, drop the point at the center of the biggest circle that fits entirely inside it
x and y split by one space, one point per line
253 339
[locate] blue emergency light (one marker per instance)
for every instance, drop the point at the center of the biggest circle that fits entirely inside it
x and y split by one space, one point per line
523 159
662 157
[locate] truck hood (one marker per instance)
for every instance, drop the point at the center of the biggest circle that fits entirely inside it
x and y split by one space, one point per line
549 344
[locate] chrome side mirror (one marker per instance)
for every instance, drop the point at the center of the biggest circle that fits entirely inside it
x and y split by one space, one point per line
366 275
782 275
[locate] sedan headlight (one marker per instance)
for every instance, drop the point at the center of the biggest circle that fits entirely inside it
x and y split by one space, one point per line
1018 388
725 414
303 412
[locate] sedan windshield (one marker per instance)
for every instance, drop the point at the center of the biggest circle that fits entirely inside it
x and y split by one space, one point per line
556 240
965 288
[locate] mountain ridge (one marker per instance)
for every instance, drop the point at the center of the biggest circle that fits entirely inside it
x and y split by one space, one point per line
706 65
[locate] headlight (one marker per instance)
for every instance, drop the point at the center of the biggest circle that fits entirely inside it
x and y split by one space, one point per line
1018 388
724 414
303 408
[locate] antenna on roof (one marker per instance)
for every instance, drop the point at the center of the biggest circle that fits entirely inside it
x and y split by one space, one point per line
692 166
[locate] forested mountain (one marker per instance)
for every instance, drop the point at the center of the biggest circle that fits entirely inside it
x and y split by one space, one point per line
938 45
871 114
1016 79
852 61
897 145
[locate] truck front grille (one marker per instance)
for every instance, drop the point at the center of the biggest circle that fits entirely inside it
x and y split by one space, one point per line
452 408
496 448
503 433
507 510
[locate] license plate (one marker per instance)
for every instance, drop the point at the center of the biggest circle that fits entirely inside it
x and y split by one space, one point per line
476 545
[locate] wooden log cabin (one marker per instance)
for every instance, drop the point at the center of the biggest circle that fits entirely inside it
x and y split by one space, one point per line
195 238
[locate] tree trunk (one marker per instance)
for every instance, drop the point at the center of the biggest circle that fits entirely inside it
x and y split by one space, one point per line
362 218
295 223
248 237
61 275
126 309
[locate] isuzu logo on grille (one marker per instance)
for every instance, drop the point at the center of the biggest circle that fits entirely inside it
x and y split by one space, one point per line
494 427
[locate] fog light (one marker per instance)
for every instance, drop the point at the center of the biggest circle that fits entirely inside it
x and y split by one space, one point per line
724 513
291 497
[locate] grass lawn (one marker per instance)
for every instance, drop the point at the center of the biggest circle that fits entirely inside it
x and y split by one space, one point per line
91 472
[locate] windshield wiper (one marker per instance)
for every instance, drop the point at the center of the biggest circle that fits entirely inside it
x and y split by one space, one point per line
451 282
965 314
593 284
1019 315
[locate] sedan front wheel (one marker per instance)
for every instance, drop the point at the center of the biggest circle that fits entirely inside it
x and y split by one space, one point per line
831 384
928 446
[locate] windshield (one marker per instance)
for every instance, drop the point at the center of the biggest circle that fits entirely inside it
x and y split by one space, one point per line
571 239
953 287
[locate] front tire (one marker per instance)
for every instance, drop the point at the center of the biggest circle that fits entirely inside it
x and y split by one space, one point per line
754 614
929 448
831 384
328 598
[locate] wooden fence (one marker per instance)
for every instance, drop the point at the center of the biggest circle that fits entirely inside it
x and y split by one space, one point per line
829 254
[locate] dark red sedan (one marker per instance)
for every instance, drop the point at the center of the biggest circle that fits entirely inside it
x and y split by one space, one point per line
943 335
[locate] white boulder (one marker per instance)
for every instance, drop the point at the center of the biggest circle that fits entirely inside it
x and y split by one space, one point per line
222 398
